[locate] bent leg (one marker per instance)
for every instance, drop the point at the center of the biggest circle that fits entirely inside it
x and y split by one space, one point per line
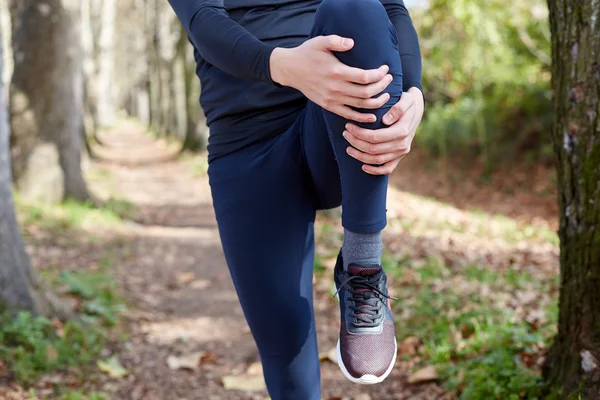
265 216
375 44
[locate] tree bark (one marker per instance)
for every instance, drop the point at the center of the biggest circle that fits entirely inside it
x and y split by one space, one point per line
46 104
573 361
106 62
14 263
19 286
196 131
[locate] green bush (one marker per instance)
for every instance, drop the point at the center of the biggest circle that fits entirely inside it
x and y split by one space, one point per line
486 79
33 345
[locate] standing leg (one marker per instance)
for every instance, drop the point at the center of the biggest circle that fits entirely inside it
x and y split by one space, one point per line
367 346
265 215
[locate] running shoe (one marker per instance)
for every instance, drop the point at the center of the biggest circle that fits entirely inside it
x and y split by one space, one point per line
366 349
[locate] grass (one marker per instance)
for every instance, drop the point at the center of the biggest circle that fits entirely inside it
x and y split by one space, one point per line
32 346
473 329
485 329
476 222
78 395
70 214
35 345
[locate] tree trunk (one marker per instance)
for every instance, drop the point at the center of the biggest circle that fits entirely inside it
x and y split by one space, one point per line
19 288
196 131
88 46
47 99
14 263
106 62
573 361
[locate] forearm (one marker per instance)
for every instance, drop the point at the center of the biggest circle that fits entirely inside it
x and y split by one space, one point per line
223 42
408 44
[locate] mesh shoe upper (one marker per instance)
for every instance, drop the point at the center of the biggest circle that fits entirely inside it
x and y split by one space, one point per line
367 333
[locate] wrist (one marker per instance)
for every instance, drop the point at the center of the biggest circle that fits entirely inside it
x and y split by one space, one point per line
277 64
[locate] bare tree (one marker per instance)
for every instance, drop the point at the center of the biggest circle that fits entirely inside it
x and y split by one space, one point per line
46 104
573 362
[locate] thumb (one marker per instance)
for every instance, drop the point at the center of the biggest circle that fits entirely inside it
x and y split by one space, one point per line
336 43
398 109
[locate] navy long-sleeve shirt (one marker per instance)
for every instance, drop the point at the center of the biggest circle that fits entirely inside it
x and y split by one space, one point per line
233 41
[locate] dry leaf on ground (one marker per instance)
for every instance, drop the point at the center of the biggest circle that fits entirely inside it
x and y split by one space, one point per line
409 346
189 361
255 369
330 355
186 277
426 374
247 383
112 367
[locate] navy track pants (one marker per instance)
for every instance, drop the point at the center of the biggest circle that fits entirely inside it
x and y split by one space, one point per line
265 197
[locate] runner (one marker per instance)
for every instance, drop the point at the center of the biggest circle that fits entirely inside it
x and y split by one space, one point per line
310 104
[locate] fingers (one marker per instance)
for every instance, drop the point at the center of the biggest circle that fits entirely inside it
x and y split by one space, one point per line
361 76
385 169
335 43
401 146
383 135
379 159
399 109
352 115
366 91
371 104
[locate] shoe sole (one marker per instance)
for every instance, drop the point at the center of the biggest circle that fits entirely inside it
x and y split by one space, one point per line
367 379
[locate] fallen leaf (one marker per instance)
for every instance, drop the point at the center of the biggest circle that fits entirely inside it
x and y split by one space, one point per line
186 277
247 383
255 369
59 327
112 366
331 355
208 356
200 284
189 361
426 374
409 345
51 352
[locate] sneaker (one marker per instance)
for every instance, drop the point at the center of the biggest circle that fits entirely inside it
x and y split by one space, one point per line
366 349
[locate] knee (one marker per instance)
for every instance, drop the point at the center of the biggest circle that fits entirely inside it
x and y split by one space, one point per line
284 330
343 17
367 23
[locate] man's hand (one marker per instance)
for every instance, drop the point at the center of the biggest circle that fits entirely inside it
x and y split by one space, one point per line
382 149
321 77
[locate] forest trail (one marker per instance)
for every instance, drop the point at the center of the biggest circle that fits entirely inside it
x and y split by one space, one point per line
183 302
184 337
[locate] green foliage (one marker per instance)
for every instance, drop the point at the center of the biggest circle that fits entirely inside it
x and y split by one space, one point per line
33 345
98 293
70 214
78 395
481 347
486 78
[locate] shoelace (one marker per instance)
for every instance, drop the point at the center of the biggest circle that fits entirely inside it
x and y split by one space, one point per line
367 303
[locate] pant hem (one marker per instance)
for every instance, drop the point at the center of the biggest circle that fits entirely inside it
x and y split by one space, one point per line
365 228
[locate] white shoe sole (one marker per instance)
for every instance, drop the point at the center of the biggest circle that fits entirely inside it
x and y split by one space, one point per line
367 379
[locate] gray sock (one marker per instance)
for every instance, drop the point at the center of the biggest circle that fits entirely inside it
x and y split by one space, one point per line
361 248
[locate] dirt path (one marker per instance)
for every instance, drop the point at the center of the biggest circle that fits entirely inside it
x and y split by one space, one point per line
183 300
